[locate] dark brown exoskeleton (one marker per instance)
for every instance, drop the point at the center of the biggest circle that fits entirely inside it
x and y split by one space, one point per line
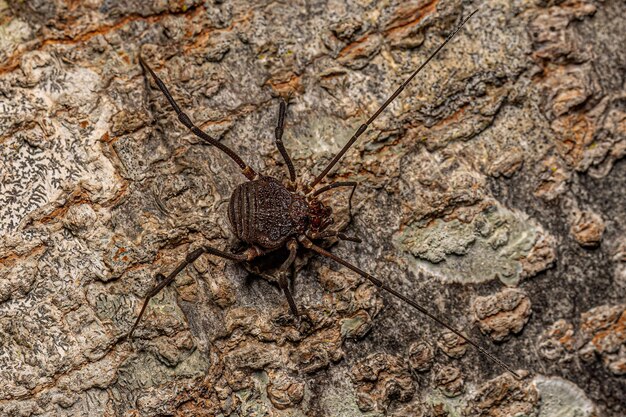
267 215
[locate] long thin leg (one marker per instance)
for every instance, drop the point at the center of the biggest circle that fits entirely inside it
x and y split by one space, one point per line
165 281
337 184
283 271
364 126
309 245
278 133
184 119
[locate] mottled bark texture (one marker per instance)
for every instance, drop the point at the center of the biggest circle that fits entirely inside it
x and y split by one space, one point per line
492 191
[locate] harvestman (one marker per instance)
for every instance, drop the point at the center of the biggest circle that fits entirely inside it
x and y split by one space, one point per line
268 215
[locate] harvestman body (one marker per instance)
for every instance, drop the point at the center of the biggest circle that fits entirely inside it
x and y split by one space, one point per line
267 215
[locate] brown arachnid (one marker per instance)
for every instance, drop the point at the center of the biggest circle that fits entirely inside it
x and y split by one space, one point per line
267 215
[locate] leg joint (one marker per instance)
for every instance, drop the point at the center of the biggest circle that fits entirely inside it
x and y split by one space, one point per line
184 119
194 255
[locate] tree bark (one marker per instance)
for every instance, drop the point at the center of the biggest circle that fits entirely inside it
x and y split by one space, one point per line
491 192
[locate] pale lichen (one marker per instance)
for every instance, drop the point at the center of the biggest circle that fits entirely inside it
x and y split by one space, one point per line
495 243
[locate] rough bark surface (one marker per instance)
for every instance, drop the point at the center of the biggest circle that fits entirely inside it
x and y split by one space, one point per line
492 191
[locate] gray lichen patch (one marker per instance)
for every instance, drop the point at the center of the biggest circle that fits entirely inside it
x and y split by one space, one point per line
495 243
441 239
560 397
